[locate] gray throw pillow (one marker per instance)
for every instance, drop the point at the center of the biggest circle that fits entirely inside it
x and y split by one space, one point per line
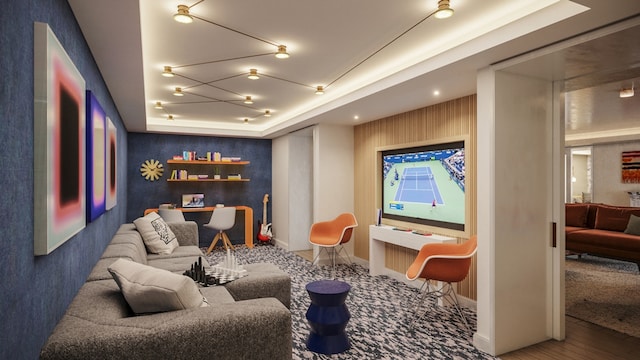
633 227
151 290
156 234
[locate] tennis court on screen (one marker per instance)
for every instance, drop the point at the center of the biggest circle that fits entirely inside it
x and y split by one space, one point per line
418 185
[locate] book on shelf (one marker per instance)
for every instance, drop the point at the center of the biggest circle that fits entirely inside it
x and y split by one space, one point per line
183 175
174 174
234 177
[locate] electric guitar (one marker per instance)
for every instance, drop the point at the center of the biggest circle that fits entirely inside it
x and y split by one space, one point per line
265 229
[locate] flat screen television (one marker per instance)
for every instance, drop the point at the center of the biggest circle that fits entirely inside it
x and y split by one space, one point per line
192 200
425 184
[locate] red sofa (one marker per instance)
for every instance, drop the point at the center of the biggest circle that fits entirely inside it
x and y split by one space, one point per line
599 229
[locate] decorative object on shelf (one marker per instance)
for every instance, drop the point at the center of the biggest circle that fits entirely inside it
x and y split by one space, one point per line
151 169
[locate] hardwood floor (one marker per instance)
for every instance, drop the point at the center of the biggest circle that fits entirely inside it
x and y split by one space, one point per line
584 341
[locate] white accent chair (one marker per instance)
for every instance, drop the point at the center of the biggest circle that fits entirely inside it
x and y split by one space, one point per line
222 219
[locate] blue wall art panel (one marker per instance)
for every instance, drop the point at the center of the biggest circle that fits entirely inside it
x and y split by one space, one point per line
96 156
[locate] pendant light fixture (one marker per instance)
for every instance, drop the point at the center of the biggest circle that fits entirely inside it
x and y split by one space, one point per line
178 92
247 100
167 72
627 93
282 52
319 90
183 16
444 10
253 74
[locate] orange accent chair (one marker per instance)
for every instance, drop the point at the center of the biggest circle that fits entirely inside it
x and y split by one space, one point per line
446 263
332 235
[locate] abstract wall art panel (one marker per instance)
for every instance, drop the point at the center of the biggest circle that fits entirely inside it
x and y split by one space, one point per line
96 156
59 144
111 164
631 167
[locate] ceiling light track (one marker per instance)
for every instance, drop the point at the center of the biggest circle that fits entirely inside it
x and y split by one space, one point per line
216 61
394 40
238 31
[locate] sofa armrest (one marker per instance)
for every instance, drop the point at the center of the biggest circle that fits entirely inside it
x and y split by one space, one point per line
186 232
252 329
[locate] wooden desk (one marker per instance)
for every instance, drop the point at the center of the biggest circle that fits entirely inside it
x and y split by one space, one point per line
248 219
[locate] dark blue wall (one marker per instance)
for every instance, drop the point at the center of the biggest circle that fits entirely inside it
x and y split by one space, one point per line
35 291
143 194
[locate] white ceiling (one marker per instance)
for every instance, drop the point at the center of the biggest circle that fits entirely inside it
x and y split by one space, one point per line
133 40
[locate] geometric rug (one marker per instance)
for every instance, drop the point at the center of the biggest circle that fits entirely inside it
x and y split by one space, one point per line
379 323
604 292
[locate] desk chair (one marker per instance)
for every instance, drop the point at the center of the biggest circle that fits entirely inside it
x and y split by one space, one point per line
221 219
448 263
331 235
171 215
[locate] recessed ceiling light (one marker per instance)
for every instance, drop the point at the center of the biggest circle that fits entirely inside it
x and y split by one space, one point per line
436 92
356 117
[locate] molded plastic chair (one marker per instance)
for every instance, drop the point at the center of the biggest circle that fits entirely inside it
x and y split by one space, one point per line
331 235
222 219
447 263
171 215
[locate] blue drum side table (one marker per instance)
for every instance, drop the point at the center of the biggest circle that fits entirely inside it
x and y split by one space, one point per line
328 316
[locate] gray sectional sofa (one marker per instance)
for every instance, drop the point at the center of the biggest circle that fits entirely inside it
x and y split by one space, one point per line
248 318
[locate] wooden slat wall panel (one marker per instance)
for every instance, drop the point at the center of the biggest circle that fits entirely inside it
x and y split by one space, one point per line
450 119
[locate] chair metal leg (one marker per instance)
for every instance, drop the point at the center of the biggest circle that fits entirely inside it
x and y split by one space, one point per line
446 292
454 297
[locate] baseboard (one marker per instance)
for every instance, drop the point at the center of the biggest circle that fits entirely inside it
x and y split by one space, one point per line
482 343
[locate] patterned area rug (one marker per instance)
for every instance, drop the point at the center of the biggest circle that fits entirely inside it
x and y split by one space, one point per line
378 328
604 292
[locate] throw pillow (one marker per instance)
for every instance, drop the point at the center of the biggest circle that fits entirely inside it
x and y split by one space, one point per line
156 234
150 290
633 227
614 218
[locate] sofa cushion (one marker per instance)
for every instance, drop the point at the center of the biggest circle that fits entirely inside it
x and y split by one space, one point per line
576 215
633 226
150 290
614 218
156 234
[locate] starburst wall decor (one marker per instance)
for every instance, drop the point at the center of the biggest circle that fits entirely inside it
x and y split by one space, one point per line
151 170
